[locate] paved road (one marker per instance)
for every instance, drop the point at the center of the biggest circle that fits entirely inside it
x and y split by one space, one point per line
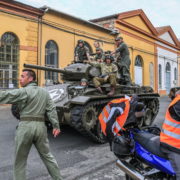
77 157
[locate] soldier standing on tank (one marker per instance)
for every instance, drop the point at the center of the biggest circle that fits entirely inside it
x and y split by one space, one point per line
99 57
123 60
33 102
81 52
108 74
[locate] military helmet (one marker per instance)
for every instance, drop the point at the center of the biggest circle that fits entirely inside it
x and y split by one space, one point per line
119 38
84 80
98 49
109 57
80 41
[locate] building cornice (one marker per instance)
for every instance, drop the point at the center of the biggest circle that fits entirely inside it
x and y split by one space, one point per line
135 28
148 41
65 15
138 12
20 8
120 19
164 29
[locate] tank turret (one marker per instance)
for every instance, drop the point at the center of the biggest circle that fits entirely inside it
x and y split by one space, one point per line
73 72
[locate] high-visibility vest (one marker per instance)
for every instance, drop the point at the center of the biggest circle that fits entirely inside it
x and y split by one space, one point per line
170 134
120 120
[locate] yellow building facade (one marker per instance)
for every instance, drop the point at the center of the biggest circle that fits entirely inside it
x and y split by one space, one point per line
42 37
19 38
48 37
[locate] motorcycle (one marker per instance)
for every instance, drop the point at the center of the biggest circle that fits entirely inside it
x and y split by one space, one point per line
139 155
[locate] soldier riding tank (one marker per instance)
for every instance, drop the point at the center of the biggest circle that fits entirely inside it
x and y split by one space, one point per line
79 106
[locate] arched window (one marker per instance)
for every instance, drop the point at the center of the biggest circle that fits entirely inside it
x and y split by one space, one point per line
175 73
9 59
168 77
168 67
138 61
138 70
175 76
160 76
151 73
51 60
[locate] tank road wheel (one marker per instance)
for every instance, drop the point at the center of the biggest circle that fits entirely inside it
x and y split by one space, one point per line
85 120
154 105
89 117
148 117
140 122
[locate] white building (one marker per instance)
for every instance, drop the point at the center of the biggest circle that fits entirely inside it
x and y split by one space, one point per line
167 56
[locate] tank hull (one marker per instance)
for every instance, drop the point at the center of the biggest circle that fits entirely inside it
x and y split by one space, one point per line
80 107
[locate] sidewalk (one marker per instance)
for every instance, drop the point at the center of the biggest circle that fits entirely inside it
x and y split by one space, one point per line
4 106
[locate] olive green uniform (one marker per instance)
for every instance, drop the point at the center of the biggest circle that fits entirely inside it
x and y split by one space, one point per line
33 102
124 62
81 53
106 70
99 56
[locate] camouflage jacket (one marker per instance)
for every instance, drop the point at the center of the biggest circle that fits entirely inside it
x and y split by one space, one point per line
105 68
81 53
99 56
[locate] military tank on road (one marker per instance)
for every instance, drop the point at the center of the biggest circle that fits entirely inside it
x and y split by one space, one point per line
79 106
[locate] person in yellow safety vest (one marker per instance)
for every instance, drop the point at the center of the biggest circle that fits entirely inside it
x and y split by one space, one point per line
119 113
170 134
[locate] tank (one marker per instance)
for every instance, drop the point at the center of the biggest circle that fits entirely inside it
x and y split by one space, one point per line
79 106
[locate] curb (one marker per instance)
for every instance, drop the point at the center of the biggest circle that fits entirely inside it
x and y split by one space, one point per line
4 106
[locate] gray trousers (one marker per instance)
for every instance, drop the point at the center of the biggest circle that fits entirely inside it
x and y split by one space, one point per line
174 158
27 134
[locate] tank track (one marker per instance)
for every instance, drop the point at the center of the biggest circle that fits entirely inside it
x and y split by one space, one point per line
152 103
77 111
76 121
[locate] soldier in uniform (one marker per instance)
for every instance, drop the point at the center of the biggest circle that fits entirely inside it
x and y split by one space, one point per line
123 60
99 57
33 102
81 52
108 74
84 82
97 45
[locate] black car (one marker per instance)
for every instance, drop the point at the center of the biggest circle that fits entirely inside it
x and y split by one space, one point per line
173 92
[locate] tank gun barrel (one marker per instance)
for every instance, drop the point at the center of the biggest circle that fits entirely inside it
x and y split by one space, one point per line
44 68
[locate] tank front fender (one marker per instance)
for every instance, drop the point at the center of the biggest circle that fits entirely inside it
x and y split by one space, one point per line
81 100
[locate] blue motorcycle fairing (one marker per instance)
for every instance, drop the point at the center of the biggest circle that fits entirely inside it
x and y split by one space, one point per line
153 160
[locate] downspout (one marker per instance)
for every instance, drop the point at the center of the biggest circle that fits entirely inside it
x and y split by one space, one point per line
132 64
74 44
38 50
40 41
